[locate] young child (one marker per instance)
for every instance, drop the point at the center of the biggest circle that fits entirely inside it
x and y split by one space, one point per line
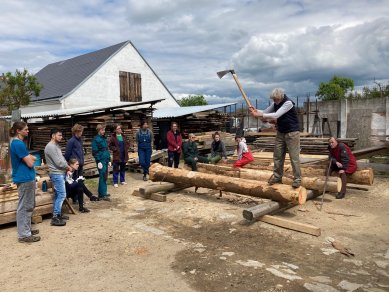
75 187
244 153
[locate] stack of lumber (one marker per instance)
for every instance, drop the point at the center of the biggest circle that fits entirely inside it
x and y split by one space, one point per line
129 120
9 202
309 145
156 156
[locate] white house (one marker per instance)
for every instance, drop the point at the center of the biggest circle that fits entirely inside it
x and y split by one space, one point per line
108 77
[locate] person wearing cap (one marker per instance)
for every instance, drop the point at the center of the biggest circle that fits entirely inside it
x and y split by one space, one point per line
283 111
191 153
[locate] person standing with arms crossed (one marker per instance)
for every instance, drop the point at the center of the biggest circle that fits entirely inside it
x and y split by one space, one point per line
101 154
57 171
174 142
144 140
284 112
23 175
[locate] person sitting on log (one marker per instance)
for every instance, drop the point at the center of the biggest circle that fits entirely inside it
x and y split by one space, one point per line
75 187
191 153
244 154
218 150
343 161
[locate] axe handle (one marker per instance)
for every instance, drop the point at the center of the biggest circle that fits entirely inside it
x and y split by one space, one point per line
241 90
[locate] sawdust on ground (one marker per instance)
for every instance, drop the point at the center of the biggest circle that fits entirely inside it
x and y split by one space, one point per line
199 242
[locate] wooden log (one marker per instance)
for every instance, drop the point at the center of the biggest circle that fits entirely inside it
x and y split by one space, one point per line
278 192
38 211
260 210
163 186
334 184
360 176
153 196
11 206
293 225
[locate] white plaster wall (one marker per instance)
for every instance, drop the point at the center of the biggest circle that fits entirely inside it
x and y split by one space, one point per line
102 88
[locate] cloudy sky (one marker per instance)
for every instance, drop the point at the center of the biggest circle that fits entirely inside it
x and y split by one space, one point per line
290 44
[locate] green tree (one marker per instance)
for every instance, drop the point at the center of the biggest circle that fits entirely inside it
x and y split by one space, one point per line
193 100
16 89
335 89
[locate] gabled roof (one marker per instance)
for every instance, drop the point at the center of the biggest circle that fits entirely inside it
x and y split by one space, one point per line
170 112
62 77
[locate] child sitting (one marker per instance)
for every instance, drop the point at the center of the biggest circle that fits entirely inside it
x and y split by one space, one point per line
75 187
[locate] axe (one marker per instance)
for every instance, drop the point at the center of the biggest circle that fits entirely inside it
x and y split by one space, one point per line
221 75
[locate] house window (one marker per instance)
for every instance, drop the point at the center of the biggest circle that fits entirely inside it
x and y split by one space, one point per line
130 86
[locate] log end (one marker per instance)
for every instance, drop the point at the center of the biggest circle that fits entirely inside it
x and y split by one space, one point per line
371 177
338 184
248 215
302 192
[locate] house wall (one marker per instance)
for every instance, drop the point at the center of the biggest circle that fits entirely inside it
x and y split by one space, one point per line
42 106
103 86
366 119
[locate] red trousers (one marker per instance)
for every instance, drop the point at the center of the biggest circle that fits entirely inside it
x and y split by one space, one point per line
246 158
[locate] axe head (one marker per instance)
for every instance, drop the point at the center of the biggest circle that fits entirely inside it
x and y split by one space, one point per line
222 73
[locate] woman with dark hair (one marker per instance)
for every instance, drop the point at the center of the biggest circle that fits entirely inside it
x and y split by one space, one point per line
23 175
174 144
218 150
144 140
75 187
119 145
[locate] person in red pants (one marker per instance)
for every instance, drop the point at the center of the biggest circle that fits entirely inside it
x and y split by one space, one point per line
342 161
244 154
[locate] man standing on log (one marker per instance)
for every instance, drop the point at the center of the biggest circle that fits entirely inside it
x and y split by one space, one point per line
191 153
283 111
57 171
174 144
23 175
343 161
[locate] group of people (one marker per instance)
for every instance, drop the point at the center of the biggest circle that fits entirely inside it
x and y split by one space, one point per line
66 171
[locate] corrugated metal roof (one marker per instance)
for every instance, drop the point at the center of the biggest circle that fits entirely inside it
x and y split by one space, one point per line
85 110
170 112
62 77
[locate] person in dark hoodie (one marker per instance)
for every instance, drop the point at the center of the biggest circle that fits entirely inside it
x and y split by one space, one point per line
144 140
283 111
343 161
218 150
191 153
74 147
119 145
174 142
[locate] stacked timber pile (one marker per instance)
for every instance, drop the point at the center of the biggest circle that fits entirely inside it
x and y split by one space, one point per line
130 121
204 122
9 203
204 141
156 156
309 145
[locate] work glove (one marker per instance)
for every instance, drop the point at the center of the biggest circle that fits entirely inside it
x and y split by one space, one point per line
99 165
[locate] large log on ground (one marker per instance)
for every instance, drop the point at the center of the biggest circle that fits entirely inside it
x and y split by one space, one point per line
148 190
278 192
334 184
360 176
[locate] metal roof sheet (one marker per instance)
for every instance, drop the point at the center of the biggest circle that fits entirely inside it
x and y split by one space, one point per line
86 110
170 112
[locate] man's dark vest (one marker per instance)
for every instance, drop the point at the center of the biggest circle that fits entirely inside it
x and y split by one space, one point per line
288 122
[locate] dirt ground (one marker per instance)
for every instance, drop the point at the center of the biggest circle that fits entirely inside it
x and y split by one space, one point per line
199 242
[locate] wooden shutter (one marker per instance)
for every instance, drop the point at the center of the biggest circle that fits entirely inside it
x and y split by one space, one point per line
130 86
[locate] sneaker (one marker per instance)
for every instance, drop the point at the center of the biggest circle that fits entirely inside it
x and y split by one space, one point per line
108 195
31 238
273 181
296 184
84 210
145 177
57 221
116 185
35 232
340 195
105 199
123 183
64 217
94 198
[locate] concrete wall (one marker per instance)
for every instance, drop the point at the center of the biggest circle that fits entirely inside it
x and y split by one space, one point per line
367 119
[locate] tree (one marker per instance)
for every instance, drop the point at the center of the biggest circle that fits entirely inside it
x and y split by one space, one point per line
16 89
335 89
193 100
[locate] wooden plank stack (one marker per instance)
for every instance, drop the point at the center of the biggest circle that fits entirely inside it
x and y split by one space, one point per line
204 142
